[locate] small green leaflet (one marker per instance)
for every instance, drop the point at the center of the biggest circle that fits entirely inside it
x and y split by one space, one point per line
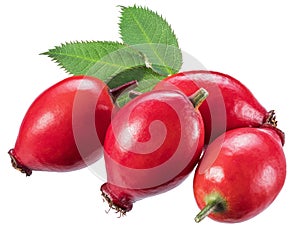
101 59
149 33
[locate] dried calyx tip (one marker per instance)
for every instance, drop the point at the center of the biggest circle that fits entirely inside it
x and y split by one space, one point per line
111 205
271 118
17 165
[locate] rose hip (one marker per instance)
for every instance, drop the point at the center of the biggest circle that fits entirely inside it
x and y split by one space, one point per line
151 146
229 105
240 174
65 126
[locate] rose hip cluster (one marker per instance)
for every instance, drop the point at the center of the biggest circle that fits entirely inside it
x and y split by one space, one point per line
243 166
199 120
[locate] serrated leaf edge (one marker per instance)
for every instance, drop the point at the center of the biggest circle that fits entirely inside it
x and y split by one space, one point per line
50 53
147 61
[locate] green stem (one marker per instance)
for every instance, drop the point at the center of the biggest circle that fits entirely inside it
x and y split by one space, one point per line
209 208
134 94
198 97
116 92
214 203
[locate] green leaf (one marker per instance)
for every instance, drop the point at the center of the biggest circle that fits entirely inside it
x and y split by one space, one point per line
146 77
150 34
149 53
101 59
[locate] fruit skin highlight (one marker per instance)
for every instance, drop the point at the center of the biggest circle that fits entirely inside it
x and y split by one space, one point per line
230 104
64 127
151 146
240 174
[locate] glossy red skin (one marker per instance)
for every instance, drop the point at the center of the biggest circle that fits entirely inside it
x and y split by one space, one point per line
132 176
229 104
247 168
46 139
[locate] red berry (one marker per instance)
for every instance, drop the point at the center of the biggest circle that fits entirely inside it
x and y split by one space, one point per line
152 144
240 174
229 104
64 127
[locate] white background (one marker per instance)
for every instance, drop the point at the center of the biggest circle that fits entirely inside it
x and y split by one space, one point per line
255 41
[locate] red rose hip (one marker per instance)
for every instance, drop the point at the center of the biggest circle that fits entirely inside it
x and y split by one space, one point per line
240 174
151 146
229 104
64 127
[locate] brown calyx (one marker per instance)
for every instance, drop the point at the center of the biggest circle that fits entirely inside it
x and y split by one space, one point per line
18 165
111 205
271 118
271 123
116 198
